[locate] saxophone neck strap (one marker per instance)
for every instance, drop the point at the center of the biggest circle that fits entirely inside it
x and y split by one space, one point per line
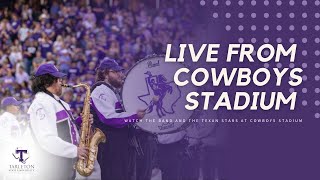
98 83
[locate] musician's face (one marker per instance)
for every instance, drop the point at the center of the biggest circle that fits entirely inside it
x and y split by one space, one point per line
115 78
13 109
57 88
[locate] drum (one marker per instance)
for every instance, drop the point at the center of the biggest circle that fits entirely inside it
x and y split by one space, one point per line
149 85
205 126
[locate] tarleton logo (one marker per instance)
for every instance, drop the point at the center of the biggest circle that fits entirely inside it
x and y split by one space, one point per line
157 85
20 153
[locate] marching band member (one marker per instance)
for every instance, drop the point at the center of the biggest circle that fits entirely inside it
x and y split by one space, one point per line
170 149
52 126
115 156
213 148
10 131
9 124
146 157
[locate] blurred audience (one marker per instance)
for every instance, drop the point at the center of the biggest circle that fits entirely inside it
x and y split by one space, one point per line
75 35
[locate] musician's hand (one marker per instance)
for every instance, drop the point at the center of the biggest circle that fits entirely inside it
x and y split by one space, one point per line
155 98
82 152
141 113
91 119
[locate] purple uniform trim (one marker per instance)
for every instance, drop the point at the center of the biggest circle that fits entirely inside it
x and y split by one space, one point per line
61 115
78 120
118 105
114 122
73 131
73 134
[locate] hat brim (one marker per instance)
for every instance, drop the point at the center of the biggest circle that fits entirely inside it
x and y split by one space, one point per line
58 74
17 103
118 68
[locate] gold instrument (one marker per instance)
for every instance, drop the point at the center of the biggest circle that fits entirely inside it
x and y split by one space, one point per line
85 166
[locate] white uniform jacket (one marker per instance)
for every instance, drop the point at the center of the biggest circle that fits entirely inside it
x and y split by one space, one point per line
9 127
109 108
52 127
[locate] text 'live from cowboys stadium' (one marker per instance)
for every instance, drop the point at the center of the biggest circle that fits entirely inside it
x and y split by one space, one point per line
240 77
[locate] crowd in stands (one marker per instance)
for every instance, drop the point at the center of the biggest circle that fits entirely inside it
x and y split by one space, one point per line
76 35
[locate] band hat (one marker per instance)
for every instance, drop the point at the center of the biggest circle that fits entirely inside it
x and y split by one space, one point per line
8 101
111 64
49 69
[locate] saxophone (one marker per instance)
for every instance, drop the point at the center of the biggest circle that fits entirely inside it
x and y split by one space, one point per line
85 166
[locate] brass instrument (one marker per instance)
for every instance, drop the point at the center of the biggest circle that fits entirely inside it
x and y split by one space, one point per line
85 166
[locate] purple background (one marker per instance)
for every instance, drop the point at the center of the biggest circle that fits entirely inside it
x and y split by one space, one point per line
258 151
262 151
